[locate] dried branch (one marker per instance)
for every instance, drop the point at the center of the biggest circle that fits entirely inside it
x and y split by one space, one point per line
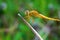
34 31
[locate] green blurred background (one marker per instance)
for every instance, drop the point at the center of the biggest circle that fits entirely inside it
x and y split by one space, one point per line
13 28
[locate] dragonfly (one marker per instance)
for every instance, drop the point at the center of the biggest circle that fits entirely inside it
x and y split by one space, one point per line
37 14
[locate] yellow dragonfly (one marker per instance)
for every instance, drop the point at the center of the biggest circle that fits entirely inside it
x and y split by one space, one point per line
36 14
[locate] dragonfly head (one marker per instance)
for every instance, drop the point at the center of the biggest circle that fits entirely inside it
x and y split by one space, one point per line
27 12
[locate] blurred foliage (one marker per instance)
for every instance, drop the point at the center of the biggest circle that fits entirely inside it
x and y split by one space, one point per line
8 17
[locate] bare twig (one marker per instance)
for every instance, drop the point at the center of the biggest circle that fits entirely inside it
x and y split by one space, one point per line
34 31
